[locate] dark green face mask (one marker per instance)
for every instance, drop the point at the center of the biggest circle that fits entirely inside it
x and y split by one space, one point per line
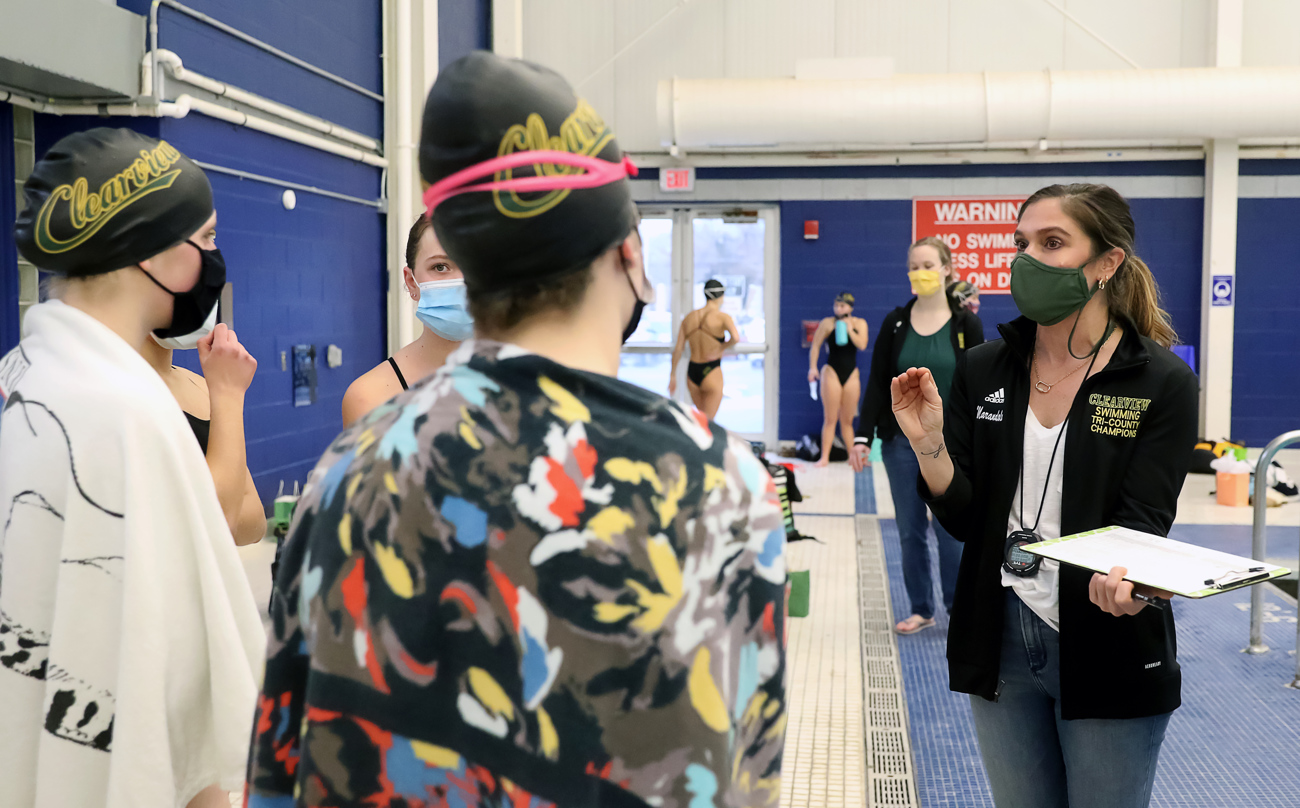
1046 294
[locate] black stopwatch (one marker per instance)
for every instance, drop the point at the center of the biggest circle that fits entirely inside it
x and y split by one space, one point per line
1018 562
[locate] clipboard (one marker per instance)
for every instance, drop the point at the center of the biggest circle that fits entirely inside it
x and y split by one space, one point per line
1175 566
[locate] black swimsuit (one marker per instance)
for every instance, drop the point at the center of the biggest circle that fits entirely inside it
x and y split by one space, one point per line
696 371
201 429
843 359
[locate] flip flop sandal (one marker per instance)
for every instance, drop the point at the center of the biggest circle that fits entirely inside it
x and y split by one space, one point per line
914 624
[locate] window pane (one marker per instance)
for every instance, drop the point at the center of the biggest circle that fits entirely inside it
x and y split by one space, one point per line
742 398
732 252
648 370
742 393
656 326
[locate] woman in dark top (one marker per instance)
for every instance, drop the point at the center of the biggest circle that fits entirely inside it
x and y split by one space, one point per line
844 335
434 281
1081 413
926 332
214 406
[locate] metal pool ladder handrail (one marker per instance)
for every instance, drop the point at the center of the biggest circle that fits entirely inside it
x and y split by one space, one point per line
1259 541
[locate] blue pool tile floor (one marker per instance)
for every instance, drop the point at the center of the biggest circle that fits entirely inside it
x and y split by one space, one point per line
947 760
1234 742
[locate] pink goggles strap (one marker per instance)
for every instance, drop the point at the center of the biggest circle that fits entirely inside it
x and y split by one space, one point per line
597 172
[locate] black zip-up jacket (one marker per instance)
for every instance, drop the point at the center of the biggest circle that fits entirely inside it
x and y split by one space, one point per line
877 414
1128 447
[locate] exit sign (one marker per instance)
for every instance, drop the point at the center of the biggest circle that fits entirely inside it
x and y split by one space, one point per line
677 179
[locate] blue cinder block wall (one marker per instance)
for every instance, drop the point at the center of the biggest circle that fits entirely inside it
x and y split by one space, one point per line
340 36
311 275
463 26
863 248
1265 360
314 274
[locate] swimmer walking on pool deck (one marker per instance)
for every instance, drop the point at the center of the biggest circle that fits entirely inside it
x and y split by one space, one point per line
840 381
710 331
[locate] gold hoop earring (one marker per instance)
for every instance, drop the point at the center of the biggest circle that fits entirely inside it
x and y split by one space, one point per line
1101 284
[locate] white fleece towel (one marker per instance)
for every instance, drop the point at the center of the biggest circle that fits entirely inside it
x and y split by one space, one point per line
131 649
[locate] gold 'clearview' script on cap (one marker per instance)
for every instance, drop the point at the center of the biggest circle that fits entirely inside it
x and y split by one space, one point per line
83 212
583 132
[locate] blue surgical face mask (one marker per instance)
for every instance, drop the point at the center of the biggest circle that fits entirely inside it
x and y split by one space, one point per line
443 309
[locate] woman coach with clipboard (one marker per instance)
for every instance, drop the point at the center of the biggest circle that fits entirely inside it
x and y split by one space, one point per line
1078 418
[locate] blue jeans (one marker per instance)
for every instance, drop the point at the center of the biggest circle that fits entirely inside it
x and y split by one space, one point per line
1035 759
913 517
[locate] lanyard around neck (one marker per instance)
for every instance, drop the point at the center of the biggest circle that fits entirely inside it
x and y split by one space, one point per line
1029 413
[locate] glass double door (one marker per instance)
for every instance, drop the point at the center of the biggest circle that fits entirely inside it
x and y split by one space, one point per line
683 248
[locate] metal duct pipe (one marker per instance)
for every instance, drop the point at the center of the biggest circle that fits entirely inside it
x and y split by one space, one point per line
183 105
1092 105
176 68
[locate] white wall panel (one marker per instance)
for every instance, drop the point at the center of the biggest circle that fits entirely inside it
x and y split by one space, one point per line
574 38
1197 29
1288 186
765 37
914 34
1005 35
689 44
1271 33
1146 31
800 189
1080 48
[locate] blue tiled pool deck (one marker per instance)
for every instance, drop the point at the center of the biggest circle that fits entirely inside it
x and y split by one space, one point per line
1234 742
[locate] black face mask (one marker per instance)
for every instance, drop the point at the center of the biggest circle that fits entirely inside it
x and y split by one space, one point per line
191 309
637 309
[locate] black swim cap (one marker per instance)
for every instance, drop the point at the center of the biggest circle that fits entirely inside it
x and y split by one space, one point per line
961 291
484 106
845 297
713 289
105 199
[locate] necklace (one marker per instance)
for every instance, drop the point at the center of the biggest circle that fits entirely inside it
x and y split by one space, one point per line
1043 387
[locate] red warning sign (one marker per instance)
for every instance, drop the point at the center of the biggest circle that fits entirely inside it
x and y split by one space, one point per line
979 232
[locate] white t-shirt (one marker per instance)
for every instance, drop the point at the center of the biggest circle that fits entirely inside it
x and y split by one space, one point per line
1041 592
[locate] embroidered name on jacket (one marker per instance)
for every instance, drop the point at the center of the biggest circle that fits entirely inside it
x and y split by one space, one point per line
1117 416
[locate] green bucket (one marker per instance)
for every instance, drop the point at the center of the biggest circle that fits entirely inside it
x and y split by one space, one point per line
800 587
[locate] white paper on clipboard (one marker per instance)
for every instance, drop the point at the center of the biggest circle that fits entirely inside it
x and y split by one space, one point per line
1174 566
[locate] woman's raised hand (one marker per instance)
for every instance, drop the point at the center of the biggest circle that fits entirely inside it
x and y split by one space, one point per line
918 408
227 366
